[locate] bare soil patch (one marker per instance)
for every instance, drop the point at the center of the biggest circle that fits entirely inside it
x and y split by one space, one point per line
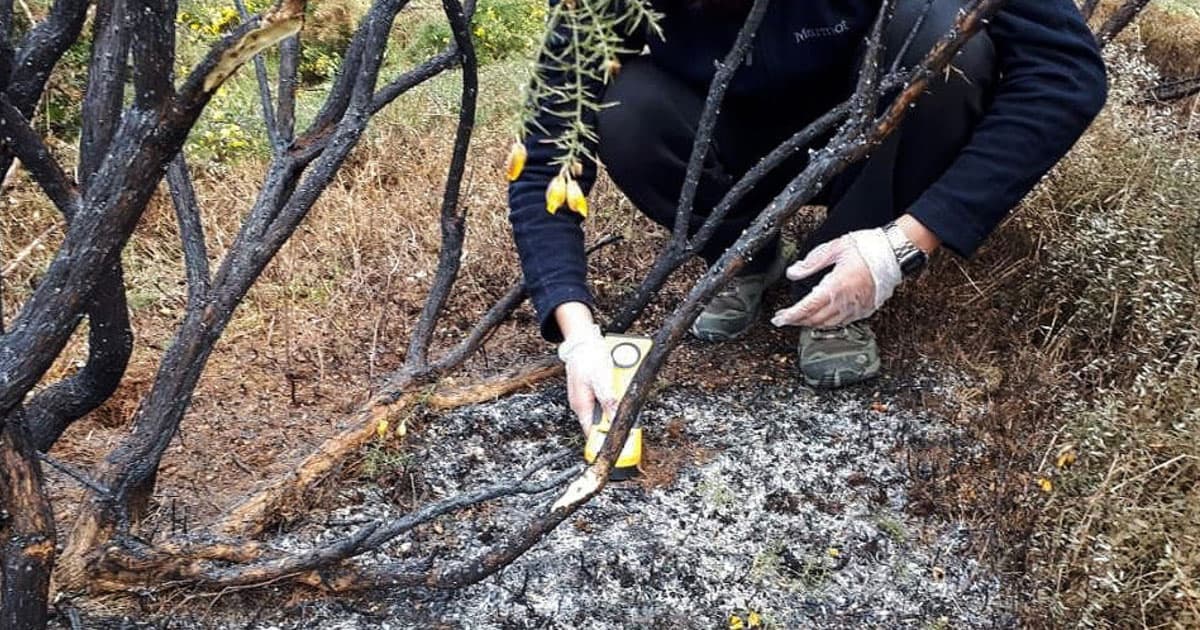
786 503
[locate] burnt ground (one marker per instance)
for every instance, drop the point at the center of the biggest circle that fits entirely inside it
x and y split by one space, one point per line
763 498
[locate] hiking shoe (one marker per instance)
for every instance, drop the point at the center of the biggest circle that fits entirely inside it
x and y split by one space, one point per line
731 313
837 357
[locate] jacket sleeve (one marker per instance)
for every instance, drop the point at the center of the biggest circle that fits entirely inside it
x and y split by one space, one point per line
550 246
1052 85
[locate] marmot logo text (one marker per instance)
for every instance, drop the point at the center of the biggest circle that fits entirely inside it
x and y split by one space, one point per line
806 34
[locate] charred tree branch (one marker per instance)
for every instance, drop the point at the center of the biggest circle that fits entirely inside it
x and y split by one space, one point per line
191 232
453 218
902 53
154 48
26 144
264 89
428 69
498 313
865 101
1119 20
81 478
634 304
1175 90
289 64
110 344
708 122
108 72
40 50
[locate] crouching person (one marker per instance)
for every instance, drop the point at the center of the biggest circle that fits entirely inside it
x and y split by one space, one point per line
1017 98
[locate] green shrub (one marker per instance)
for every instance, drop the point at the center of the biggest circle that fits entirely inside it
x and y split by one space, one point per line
230 127
500 29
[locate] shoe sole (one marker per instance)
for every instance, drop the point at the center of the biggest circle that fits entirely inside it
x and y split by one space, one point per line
830 381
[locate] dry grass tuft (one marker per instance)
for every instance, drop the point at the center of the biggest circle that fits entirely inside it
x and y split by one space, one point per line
1170 32
1081 322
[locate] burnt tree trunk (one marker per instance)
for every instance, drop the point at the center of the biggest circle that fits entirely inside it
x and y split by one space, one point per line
110 336
26 531
296 177
124 160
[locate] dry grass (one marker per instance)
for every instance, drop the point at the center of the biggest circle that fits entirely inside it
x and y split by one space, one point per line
1081 322
1167 30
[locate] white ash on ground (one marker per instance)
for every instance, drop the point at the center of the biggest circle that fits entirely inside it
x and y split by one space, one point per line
789 506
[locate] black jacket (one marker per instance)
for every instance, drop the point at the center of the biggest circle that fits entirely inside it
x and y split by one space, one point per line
1052 84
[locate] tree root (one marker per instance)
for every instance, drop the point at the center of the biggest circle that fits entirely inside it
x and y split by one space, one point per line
129 563
285 494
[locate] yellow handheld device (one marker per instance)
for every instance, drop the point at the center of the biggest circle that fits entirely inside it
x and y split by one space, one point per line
627 355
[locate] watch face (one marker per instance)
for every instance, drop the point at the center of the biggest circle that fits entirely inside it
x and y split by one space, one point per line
913 263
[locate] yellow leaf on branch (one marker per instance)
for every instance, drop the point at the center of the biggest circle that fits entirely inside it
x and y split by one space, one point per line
516 161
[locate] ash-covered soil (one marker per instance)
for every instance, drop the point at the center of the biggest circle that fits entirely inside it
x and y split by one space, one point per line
769 499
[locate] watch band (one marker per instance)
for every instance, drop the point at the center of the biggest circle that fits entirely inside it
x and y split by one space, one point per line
910 257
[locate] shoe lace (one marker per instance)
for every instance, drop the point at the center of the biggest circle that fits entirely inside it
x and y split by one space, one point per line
855 331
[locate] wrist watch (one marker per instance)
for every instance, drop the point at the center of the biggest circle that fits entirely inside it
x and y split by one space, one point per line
911 258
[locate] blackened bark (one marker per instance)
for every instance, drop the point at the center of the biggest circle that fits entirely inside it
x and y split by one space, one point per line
1089 8
264 88
6 14
92 245
289 64
110 344
40 51
26 531
24 70
708 121
154 49
453 218
191 232
108 72
110 336
20 140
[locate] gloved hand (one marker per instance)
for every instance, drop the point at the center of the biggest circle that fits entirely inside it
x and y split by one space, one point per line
589 375
865 274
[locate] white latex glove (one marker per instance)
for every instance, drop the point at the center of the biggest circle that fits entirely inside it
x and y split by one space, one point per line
865 274
589 375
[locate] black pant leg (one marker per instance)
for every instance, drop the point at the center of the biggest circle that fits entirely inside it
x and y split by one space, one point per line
931 136
646 136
